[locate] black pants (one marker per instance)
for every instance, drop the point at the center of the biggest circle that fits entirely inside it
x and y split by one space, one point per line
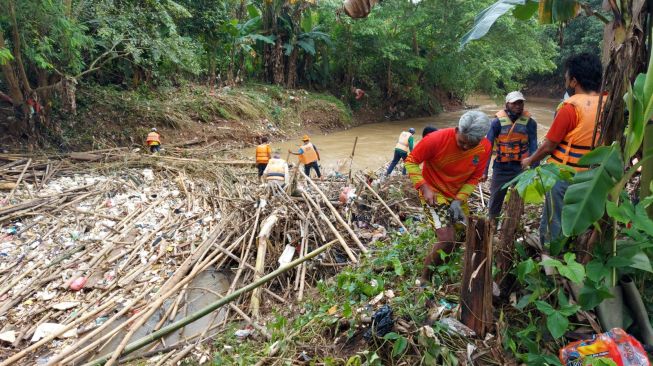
261 168
155 148
399 155
500 176
307 169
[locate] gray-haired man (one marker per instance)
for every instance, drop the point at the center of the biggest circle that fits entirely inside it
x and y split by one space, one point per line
454 161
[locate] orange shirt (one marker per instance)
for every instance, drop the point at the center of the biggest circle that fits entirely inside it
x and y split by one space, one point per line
451 171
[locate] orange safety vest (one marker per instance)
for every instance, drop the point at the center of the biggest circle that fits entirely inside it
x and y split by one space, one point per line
309 154
153 138
276 170
263 152
512 142
402 142
578 141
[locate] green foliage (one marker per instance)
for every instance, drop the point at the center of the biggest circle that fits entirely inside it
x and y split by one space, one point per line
586 196
532 184
639 101
5 56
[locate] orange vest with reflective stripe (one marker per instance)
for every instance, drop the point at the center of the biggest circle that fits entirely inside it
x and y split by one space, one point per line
153 138
276 170
309 154
512 142
263 152
578 141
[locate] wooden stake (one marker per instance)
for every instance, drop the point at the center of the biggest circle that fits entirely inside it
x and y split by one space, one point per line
505 249
263 236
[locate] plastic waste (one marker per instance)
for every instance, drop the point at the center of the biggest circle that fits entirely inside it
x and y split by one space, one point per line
45 329
457 327
9 336
287 255
243 333
616 345
382 323
78 283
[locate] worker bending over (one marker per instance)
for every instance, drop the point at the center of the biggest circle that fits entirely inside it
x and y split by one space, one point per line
454 161
309 156
154 141
404 146
276 172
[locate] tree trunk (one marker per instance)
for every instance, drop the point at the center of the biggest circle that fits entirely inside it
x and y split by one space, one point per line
505 251
291 77
277 62
476 285
18 124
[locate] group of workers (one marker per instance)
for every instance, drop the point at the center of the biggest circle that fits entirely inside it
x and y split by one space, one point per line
274 170
446 166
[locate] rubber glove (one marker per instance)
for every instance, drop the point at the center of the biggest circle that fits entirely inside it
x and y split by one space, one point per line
456 212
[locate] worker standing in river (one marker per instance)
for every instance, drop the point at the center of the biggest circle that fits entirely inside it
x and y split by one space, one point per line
404 146
153 140
570 135
263 155
514 134
309 156
454 161
276 172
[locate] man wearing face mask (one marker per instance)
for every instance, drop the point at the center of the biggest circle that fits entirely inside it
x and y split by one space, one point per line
514 134
570 136
454 161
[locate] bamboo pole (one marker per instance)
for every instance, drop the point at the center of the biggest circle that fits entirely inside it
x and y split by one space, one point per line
336 213
212 307
333 229
263 236
394 216
54 335
20 178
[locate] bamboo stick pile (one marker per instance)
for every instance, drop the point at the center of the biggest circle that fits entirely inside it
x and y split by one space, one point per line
104 252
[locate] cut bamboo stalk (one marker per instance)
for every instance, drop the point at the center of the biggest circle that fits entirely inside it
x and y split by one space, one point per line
336 214
20 178
212 307
50 337
263 236
341 240
394 216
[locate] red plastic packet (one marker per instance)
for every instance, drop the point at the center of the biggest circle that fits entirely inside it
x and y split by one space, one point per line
78 283
616 345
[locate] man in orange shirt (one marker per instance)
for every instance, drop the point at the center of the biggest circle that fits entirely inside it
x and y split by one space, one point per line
454 161
570 136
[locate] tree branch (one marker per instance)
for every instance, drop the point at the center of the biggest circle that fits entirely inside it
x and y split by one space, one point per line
17 48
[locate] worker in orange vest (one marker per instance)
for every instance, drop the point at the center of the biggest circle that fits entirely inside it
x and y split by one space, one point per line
154 141
309 156
570 135
263 155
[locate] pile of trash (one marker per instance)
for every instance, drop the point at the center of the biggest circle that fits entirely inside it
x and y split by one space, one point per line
90 262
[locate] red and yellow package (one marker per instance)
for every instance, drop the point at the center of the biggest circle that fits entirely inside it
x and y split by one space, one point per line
616 345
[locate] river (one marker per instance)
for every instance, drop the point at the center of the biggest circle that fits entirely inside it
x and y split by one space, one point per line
376 140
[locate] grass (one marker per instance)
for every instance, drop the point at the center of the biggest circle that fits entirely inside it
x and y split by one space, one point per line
107 115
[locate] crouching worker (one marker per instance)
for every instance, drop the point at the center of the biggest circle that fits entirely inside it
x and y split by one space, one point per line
276 172
454 161
154 141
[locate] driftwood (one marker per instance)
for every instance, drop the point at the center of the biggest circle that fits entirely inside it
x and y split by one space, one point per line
476 285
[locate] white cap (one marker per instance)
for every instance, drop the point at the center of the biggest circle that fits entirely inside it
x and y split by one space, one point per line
514 96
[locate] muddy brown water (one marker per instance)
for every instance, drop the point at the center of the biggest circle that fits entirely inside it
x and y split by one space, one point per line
376 141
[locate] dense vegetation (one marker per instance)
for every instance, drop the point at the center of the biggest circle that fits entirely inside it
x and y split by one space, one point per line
405 54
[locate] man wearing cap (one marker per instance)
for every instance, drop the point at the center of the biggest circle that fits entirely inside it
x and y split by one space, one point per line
454 160
276 171
513 133
402 148
154 141
309 156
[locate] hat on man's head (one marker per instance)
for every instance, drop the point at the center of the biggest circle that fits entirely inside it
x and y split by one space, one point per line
514 96
305 138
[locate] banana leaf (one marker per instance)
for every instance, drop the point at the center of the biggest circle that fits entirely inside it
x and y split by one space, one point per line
584 202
